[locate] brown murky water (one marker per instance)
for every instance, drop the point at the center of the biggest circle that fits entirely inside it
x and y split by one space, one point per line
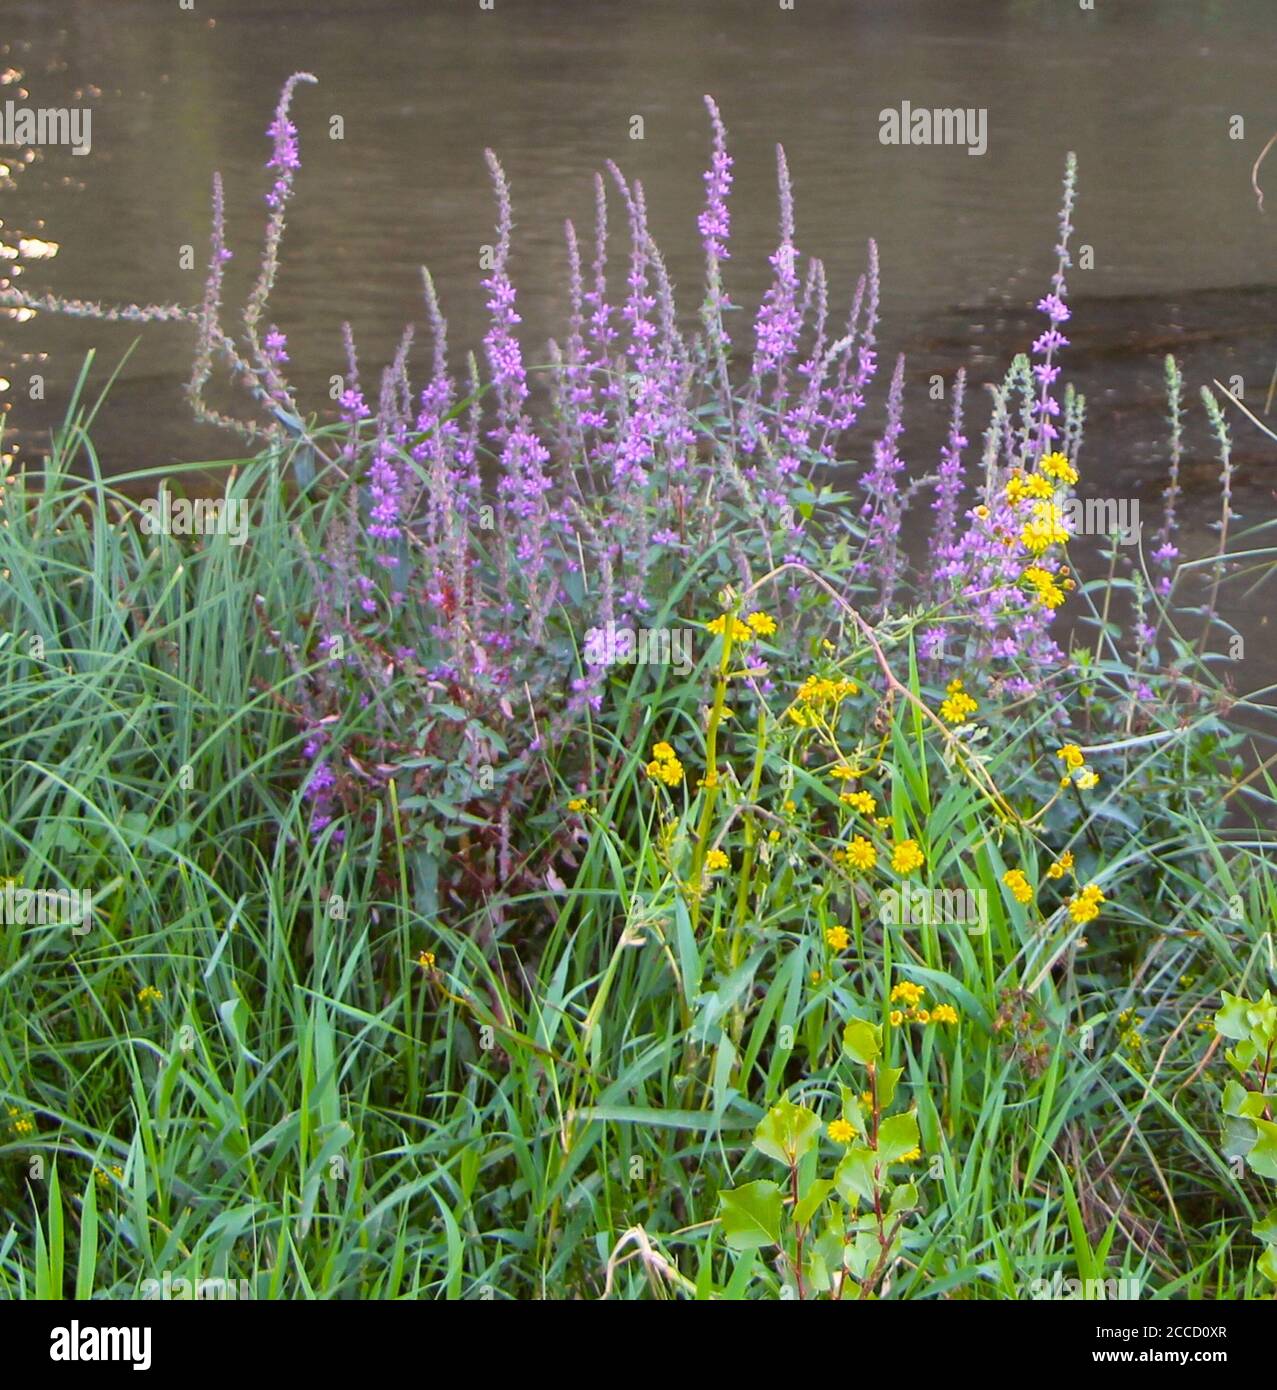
1146 92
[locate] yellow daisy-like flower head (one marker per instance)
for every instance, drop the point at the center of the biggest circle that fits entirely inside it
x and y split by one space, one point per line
740 633
715 860
1061 866
838 938
906 857
578 804
1035 486
861 853
1021 888
958 708
1044 530
860 801
1056 466
1086 906
763 624
906 992
841 1132
1087 779
944 1013
1071 756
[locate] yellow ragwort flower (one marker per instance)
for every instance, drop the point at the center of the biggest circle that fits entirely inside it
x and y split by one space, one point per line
1021 888
1071 755
740 633
716 860
762 623
906 857
838 938
1061 866
944 1013
861 854
859 801
1086 906
1058 467
841 1132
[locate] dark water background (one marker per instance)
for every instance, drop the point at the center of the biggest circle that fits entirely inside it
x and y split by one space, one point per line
1143 90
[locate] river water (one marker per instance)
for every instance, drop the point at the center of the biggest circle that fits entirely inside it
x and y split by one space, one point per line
1166 102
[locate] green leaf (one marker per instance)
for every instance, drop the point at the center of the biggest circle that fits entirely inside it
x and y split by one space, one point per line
862 1041
1263 1157
904 1198
887 1079
898 1134
1239 1101
1266 1230
787 1132
751 1215
855 1175
1231 1020
811 1200
1267 1263
852 1110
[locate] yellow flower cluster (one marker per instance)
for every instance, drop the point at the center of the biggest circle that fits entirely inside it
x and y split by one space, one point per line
959 706
763 624
1034 486
841 1132
910 995
19 1123
103 1176
1044 530
1062 865
665 766
715 860
148 995
1058 467
859 801
1076 769
578 805
426 959
1046 591
740 633
1086 906
817 693
906 857
1021 888
838 938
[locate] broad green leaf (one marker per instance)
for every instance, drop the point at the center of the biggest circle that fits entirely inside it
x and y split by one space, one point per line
898 1134
787 1132
862 1041
903 1198
751 1215
888 1079
1231 1020
854 1178
811 1200
1263 1157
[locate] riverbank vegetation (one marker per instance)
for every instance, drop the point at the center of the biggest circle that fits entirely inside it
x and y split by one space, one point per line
899 926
